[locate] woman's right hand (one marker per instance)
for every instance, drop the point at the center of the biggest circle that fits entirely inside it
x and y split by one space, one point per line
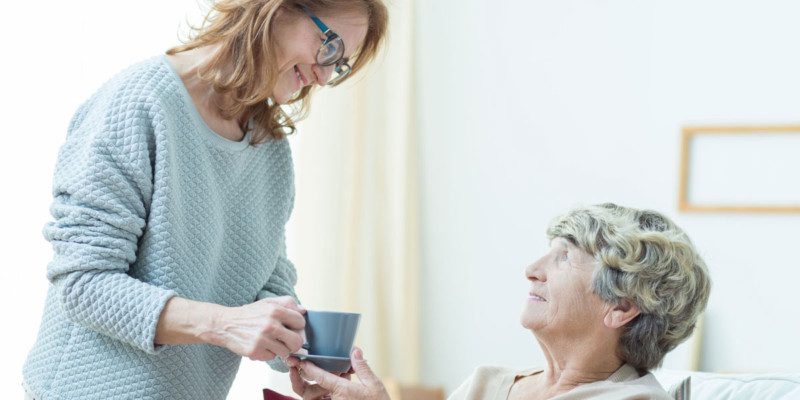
262 330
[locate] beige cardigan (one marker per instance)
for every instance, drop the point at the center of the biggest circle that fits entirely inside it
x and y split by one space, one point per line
494 383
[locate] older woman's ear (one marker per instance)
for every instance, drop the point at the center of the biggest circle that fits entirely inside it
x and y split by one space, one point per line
620 314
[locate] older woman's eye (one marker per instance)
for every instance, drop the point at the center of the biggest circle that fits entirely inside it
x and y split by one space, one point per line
564 256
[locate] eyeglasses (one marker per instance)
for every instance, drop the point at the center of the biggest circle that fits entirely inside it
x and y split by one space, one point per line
331 52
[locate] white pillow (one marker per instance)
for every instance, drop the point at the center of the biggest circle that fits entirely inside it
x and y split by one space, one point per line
682 390
745 386
705 385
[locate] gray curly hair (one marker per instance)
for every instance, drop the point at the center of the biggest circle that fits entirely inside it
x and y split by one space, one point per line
644 258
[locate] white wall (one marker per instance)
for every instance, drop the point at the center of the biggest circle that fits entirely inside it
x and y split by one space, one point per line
528 108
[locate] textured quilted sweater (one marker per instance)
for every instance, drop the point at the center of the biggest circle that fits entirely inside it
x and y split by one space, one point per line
150 203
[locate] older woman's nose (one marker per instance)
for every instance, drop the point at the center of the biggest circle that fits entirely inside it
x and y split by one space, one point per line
535 271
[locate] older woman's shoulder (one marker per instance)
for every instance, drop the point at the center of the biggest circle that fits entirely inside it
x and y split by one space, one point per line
625 383
489 382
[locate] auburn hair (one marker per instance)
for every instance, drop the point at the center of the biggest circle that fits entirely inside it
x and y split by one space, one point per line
243 71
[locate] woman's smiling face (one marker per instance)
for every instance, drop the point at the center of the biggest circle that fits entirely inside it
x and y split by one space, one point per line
298 39
560 298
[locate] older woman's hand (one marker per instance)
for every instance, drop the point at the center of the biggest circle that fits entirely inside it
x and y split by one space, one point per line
328 385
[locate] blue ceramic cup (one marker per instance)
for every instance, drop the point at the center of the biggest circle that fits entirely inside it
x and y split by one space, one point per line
330 333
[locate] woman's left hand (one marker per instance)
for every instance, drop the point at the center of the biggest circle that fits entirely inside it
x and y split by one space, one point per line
369 387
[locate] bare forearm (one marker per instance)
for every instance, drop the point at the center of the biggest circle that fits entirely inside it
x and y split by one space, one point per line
186 321
259 330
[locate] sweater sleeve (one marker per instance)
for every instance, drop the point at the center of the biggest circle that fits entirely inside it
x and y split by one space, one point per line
280 283
282 280
102 188
284 276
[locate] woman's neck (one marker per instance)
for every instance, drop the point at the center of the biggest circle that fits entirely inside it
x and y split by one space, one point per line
570 372
576 362
206 100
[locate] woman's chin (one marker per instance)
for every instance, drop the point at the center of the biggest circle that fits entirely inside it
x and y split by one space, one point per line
530 322
281 98
285 98
283 93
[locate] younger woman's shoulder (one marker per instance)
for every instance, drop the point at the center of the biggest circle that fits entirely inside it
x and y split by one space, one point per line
129 95
142 82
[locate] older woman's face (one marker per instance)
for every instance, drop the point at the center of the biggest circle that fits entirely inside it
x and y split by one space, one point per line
298 40
560 297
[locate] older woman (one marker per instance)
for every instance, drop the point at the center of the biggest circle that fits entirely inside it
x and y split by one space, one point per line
171 195
618 289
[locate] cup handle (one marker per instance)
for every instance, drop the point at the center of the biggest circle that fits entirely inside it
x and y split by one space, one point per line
306 346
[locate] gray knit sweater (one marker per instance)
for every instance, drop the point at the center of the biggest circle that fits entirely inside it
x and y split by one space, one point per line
150 203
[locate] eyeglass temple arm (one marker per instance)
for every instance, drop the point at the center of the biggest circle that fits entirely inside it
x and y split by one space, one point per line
321 25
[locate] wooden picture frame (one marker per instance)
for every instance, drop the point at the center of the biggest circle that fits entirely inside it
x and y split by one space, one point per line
691 133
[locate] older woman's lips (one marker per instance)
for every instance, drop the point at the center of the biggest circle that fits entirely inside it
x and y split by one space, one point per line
533 297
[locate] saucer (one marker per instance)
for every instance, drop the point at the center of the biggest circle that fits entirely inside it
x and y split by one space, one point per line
335 365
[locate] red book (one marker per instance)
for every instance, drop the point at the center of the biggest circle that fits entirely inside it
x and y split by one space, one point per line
271 395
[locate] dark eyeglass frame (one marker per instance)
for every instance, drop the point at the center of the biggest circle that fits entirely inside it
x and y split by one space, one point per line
340 64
